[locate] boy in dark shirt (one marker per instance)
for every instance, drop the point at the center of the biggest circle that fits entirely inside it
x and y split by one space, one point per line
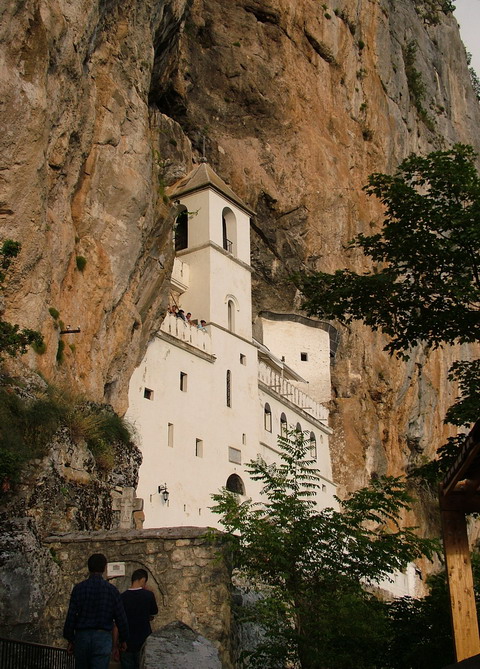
140 607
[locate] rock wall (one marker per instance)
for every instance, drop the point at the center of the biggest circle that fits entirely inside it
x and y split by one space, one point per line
106 102
307 100
80 179
191 583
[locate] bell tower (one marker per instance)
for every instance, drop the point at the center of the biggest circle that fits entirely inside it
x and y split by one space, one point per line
212 236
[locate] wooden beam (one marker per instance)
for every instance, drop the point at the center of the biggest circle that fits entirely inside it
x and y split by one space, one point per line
460 584
460 500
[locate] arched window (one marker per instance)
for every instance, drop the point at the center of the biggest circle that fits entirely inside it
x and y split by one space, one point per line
225 240
229 231
231 315
228 388
181 231
313 446
267 417
283 425
235 484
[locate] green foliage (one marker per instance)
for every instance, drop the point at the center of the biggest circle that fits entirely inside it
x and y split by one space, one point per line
430 10
347 20
367 133
27 427
40 348
425 284
420 629
474 77
54 313
361 44
312 566
8 251
416 85
60 351
13 339
81 262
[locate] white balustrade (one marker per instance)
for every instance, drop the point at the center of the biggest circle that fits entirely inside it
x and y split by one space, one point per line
191 334
278 384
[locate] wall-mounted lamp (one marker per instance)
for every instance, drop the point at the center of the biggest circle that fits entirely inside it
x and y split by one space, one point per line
163 490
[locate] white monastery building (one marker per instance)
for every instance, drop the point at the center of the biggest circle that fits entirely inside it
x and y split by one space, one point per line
208 398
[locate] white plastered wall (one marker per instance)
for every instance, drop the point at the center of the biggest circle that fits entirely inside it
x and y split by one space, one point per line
289 339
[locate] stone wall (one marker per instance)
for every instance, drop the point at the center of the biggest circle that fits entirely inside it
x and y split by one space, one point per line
190 581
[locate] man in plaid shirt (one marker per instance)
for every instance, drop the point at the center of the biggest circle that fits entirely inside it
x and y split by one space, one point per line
95 604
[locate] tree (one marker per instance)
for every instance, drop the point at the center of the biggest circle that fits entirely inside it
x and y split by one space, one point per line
313 566
424 288
13 339
420 629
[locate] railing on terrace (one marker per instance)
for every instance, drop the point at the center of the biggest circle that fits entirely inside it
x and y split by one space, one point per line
286 389
191 334
23 655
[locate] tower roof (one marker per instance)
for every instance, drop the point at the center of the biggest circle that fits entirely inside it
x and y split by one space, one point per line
201 177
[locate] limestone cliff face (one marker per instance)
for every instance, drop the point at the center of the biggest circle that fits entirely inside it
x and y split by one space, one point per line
297 103
80 180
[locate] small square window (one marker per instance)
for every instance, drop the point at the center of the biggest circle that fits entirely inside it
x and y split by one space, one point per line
304 356
148 394
324 487
234 455
183 382
199 448
243 359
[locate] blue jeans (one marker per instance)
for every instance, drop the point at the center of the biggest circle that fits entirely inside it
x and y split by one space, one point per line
92 649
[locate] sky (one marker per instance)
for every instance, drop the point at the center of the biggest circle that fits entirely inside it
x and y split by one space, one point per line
467 13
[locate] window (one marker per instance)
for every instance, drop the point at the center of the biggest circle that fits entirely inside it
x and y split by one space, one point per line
229 230
313 446
199 448
228 388
267 418
235 455
231 315
283 425
324 487
170 435
183 382
243 359
235 484
181 231
244 438
226 243
298 427
304 356
148 394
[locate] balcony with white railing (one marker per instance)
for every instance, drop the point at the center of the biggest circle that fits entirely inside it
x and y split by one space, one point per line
180 275
279 385
190 334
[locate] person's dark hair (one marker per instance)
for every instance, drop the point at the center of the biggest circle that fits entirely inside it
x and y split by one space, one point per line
97 563
138 574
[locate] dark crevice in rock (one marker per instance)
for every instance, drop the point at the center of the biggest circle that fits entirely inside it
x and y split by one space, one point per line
320 48
262 14
265 240
162 92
